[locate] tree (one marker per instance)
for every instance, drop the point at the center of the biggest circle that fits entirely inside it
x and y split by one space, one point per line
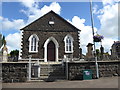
14 55
3 40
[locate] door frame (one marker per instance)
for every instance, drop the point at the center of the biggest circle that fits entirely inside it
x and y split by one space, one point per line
56 48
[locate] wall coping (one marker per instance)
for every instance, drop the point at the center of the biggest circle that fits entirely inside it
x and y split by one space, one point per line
13 62
25 62
115 61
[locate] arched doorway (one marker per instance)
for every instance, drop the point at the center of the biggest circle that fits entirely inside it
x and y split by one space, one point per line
55 46
51 51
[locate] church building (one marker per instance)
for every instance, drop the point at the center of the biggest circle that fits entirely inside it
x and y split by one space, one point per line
49 38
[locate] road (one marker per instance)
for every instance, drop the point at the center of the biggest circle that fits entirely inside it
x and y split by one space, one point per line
104 82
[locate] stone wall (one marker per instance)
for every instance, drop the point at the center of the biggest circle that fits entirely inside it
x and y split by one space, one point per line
14 72
17 72
43 36
106 69
44 30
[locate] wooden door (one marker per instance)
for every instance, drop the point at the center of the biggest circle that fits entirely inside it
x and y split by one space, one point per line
51 51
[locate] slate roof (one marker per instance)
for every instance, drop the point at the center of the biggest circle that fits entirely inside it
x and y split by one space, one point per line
42 24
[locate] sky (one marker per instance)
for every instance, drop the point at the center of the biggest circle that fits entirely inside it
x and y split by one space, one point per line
16 15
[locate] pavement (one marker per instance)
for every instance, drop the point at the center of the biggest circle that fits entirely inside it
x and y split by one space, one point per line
104 82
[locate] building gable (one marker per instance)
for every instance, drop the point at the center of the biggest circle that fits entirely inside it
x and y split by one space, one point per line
42 24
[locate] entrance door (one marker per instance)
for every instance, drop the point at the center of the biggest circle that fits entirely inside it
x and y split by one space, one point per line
51 51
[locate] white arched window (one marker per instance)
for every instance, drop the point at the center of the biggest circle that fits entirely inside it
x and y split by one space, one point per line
33 43
68 44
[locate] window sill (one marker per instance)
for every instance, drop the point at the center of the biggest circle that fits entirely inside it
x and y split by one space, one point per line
68 51
33 51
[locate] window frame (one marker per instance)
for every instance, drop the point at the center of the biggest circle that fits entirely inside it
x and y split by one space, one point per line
68 44
31 40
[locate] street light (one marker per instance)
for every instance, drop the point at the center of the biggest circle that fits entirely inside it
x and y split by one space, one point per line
92 22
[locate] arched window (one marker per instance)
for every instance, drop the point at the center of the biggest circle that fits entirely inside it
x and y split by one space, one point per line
33 43
68 44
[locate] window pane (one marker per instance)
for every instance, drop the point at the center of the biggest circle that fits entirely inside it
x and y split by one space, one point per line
34 48
66 48
33 43
70 48
69 41
68 44
31 48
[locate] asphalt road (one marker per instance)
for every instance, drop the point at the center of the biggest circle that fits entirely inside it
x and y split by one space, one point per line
105 82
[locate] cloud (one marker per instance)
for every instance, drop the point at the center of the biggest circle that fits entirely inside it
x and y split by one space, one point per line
85 30
95 9
109 2
108 17
109 21
86 35
13 41
53 6
33 12
107 43
11 24
29 3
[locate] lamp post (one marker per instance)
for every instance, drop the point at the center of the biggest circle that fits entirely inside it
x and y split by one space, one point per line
92 22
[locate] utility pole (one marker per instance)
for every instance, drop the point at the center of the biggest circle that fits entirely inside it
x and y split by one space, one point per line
92 22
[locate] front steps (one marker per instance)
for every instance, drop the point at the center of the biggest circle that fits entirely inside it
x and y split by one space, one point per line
52 71
47 63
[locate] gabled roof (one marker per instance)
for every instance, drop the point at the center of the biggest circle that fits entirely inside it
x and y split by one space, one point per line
42 24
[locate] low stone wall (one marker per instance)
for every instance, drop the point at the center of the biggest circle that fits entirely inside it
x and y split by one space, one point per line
18 72
14 72
106 69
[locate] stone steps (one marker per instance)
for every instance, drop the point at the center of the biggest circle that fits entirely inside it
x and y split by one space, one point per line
49 63
52 71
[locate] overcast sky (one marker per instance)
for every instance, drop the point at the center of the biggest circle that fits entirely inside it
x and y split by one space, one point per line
16 15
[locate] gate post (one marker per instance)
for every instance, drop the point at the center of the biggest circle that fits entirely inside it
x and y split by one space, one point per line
66 66
29 78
